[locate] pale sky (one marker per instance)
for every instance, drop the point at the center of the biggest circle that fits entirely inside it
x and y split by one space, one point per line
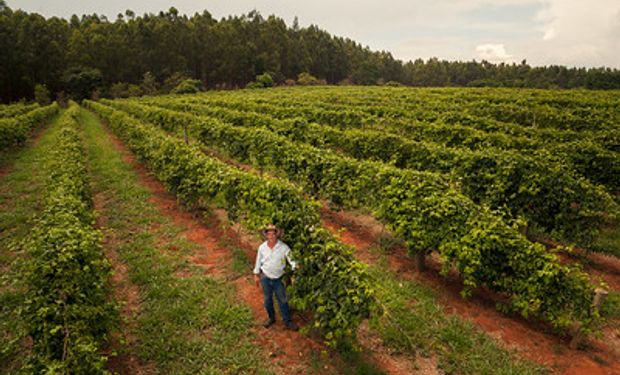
565 32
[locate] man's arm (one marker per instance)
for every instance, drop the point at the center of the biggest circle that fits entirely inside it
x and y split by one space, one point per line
290 259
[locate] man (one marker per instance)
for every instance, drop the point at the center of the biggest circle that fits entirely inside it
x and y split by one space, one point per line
269 269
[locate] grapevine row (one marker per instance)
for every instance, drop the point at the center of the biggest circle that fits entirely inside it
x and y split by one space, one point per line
591 154
67 310
420 207
13 110
15 130
514 108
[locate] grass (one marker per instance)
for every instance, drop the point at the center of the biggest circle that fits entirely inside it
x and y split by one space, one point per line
610 308
608 241
20 193
414 323
186 325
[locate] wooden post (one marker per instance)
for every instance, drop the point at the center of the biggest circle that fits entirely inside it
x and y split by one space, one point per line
577 335
420 260
597 301
599 297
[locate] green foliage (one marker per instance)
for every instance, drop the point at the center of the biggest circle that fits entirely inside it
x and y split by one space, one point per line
262 81
265 80
13 110
188 86
124 90
172 81
330 282
306 79
82 82
368 73
537 187
611 306
15 130
21 192
149 85
67 310
254 85
42 95
420 207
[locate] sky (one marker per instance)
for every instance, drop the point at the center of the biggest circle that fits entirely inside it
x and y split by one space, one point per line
543 32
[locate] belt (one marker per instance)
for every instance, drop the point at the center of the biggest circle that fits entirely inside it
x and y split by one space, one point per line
263 274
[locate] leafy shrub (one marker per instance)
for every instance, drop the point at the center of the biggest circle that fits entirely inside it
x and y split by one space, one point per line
42 95
188 86
262 81
307 79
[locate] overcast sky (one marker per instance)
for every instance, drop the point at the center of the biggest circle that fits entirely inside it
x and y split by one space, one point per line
565 32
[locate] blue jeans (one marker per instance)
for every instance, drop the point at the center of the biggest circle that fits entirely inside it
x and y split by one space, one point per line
269 287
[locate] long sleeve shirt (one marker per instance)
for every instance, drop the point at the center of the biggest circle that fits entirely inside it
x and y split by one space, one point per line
272 261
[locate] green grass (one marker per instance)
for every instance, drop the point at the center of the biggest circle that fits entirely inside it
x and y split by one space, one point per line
608 241
414 323
610 308
186 325
21 191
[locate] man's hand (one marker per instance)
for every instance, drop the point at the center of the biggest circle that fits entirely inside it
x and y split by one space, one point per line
256 279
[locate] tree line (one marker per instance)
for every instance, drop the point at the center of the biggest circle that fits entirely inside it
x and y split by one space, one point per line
155 52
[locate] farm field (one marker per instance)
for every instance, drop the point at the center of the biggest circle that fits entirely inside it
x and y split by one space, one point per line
459 231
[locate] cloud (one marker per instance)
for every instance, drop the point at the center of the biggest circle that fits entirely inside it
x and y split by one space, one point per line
495 53
578 33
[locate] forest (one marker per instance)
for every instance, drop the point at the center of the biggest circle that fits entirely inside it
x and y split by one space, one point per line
152 53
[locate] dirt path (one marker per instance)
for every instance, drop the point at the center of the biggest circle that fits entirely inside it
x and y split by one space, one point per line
531 340
606 267
128 295
290 351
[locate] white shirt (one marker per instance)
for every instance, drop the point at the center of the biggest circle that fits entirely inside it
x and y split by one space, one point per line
272 261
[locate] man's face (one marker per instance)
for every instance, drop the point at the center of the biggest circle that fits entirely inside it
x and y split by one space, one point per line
271 235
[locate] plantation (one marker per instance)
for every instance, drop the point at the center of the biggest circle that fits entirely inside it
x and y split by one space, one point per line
510 196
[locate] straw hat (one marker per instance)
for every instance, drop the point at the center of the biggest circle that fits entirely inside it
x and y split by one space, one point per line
267 228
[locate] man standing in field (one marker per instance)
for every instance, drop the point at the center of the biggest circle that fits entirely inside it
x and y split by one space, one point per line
268 271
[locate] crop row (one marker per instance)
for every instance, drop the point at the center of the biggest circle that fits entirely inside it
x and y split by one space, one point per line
543 192
67 310
13 110
585 155
330 282
538 109
15 130
420 207
450 126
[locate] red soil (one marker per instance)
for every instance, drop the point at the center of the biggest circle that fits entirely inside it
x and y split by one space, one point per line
533 341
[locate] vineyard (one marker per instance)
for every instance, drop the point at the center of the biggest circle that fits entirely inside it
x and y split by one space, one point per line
424 222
